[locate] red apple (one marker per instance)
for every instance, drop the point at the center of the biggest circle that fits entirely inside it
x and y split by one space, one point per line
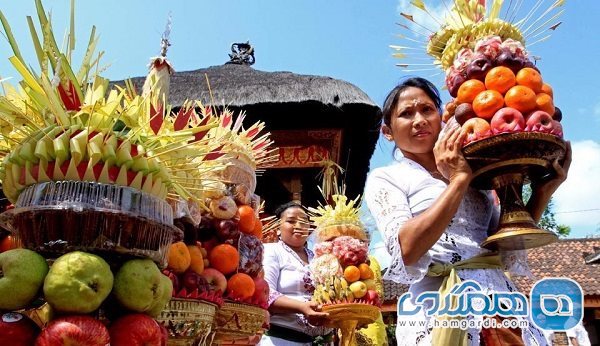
372 297
17 330
194 281
215 278
475 129
539 121
74 331
164 333
135 330
261 291
507 119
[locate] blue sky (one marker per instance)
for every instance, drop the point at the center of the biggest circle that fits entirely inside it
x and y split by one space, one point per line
348 40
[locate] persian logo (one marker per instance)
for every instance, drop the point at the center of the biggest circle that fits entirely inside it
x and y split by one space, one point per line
556 304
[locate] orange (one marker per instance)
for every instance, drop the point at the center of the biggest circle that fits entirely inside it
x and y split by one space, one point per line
351 274
468 90
240 286
179 258
197 259
544 103
547 89
500 78
365 271
530 78
487 103
520 98
247 219
258 228
224 258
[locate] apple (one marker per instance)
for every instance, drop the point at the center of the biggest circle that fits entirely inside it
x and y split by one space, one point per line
557 114
539 121
479 67
371 284
508 59
78 282
139 285
226 229
464 112
507 119
8 243
192 280
23 272
74 331
135 330
261 291
453 82
166 287
17 330
371 295
164 333
215 278
475 129
358 289
173 277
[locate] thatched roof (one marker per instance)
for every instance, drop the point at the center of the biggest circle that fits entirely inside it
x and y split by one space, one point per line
242 85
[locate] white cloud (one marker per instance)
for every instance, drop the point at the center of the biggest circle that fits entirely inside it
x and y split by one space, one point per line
576 197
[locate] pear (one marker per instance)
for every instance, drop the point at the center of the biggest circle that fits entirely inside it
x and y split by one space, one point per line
21 277
167 291
78 282
139 285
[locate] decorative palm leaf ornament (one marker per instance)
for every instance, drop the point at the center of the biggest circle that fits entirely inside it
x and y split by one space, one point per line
338 218
464 24
62 124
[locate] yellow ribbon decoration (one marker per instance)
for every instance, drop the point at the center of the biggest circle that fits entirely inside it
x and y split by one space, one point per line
456 336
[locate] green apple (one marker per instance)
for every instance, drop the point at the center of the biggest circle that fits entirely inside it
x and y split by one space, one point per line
22 274
371 284
359 289
78 282
167 291
139 285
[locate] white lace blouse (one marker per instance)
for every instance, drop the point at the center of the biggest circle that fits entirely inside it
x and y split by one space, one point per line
404 190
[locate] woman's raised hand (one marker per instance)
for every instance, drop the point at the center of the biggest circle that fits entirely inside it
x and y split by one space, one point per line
549 186
448 155
314 317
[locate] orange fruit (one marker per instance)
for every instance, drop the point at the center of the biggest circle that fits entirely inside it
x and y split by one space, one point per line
351 274
247 219
547 89
468 90
530 78
224 258
197 259
520 98
544 103
487 103
365 271
258 228
240 286
500 78
179 258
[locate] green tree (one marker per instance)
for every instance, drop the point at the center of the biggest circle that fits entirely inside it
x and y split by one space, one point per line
548 221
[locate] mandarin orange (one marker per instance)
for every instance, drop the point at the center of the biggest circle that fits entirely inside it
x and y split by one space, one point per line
520 98
500 78
468 90
530 78
487 103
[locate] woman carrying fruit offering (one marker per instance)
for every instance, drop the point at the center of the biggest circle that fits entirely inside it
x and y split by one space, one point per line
433 222
295 320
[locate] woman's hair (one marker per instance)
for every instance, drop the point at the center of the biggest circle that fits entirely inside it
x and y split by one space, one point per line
417 82
282 208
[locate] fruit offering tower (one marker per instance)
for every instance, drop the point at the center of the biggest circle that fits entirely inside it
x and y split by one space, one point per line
90 172
344 282
229 232
505 107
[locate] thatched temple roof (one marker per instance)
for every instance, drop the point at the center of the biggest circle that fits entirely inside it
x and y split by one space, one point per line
288 101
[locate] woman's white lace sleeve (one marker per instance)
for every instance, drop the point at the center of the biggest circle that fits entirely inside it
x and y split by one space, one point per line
389 206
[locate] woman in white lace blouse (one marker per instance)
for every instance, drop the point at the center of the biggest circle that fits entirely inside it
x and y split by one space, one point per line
427 212
295 319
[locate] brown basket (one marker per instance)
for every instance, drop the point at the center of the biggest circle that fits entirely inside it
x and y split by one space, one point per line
188 321
238 321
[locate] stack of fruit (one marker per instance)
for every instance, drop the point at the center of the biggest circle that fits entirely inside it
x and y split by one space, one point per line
497 89
89 173
225 245
344 282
